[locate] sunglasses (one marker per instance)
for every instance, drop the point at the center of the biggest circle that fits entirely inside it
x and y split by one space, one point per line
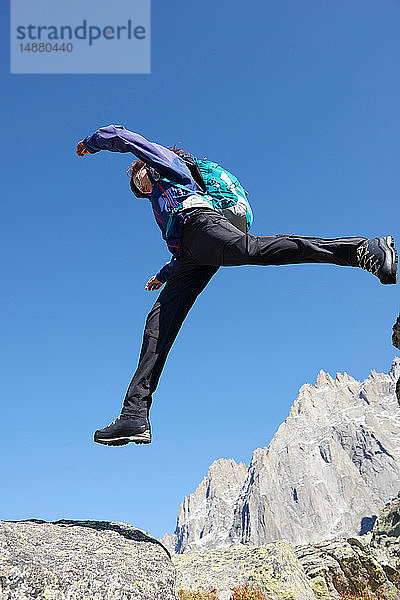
137 180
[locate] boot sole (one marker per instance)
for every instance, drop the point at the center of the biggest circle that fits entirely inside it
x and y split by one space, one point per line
389 277
139 438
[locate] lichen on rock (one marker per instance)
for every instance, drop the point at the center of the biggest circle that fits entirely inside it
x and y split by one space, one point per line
82 560
272 568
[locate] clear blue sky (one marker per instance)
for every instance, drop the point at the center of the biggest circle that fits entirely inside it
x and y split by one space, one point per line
301 101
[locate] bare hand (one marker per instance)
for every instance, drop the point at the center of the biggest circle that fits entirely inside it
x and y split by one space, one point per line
153 284
81 150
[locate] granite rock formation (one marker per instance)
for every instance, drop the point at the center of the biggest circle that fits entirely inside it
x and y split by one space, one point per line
273 569
368 564
91 560
205 517
82 560
326 473
385 540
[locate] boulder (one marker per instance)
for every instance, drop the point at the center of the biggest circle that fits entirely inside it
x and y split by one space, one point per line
368 562
347 566
385 540
82 560
272 568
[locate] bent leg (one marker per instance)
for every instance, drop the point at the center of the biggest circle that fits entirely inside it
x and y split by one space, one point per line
162 326
209 238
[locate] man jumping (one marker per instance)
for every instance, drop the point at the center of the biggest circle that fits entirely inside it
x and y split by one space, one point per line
201 239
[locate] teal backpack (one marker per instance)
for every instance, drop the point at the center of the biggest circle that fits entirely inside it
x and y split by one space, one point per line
220 189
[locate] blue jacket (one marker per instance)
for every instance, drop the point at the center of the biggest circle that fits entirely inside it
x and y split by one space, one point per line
165 197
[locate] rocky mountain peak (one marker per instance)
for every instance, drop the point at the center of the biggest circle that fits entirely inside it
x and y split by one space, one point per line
204 513
324 378
330 466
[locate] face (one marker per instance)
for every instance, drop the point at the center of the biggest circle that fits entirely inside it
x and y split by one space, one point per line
142 181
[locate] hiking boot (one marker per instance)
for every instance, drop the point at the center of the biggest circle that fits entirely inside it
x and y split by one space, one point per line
124 429
379 257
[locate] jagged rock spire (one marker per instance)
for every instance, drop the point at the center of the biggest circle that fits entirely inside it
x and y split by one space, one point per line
328 469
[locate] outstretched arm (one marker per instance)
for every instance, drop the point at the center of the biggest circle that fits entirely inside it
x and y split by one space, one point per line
118 139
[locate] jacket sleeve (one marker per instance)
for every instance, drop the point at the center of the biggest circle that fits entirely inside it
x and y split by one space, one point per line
118 139
167 270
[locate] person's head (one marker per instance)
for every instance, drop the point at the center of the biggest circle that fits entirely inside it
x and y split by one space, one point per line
140 182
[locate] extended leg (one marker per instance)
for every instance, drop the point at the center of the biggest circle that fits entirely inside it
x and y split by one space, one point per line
209 238
162 325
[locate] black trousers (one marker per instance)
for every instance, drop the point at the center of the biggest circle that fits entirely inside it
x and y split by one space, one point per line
208 242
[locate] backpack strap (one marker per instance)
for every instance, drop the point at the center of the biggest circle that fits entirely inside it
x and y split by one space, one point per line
189 202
